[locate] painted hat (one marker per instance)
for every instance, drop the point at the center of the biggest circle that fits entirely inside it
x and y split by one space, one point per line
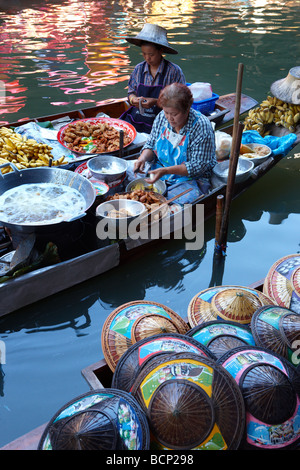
282 282
191 403
134 321
270 386
278 329
221 336
288 89
230 303
154 34
139 354
105 419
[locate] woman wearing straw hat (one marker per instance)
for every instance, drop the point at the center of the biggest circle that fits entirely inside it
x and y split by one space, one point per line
181 146
150 76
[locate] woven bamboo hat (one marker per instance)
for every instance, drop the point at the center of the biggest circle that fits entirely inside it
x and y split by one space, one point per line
134 321
221 336
278 329
230 303
190 402
105 419
154 34
282 282
270 386
288 89
139 354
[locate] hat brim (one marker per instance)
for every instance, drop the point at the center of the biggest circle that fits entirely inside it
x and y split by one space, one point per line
138 42
287 89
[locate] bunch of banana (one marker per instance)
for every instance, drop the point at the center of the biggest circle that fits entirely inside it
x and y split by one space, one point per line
273 110
23 152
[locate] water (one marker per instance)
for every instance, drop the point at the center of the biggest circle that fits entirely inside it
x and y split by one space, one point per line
60 55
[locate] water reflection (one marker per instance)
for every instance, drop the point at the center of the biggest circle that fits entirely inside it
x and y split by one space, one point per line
65 53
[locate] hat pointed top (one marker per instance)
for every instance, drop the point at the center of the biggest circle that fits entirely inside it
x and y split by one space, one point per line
154 34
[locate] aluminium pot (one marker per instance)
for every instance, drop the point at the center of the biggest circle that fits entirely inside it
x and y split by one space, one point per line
51 175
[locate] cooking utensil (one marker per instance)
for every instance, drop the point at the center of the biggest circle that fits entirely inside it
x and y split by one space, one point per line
107 168
52 175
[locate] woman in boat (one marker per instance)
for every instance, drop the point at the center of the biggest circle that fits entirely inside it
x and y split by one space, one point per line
150 77
181 145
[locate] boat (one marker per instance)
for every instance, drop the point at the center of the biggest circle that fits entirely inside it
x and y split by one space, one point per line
96 258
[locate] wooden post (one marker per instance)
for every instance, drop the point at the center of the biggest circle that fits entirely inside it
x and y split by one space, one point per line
233 161
219 217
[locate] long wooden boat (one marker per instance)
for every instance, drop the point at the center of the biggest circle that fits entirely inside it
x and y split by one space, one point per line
96 259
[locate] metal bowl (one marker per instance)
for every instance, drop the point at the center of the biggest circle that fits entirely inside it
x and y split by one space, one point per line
107 168
141 183
263 152
243 170
135 208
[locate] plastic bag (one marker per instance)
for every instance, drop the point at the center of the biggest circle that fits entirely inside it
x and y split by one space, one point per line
223 144
279 145
201 91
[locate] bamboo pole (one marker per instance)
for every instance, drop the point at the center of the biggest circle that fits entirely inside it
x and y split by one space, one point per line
233 161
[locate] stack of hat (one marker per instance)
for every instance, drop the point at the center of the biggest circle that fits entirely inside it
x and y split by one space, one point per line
227 380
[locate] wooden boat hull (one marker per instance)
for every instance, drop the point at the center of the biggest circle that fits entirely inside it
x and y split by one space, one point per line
35 286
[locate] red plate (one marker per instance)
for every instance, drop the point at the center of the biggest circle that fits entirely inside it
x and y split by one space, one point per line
116 123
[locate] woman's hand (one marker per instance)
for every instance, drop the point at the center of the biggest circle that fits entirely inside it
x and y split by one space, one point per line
148 103
145 102
139 164
156 174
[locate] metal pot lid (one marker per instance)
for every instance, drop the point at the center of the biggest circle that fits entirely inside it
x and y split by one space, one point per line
122 328
139 354
282 283
105 419
191 403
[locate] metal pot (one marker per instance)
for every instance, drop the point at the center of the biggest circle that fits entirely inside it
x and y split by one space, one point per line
52 175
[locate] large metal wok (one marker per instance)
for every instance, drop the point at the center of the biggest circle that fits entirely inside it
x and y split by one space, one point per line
46 175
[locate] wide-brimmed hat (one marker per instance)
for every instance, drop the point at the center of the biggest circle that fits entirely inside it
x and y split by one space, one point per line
105 419
270 388
288 89
139 354
191 402
154 34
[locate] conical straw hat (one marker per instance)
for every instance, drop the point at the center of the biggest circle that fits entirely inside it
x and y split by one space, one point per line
139 354
236 305
282 282
221 336
190 402
205 306
270 388
288 89
154 34
105 419
277 329
122 327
